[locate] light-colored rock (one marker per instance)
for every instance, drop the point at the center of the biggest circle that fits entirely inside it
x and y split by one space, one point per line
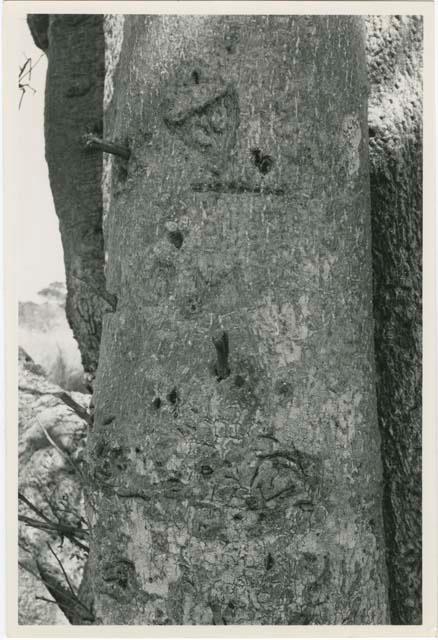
51 441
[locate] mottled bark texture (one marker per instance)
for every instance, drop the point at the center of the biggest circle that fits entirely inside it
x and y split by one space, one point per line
74 107
395 46
235 456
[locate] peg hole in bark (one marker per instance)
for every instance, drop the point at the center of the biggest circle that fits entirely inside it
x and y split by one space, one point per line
173 396
239 380
262 161
221 374
100 448
269 562
252 503
156 403
195 76
120 573
112 300
176 238
190 306
284 388
231 41
108 420
221 367
206 470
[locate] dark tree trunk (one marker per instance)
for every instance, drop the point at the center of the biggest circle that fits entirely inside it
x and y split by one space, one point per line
73 107
395 47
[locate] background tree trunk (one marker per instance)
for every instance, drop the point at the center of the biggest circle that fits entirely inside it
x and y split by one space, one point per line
395 48
74 106
235 456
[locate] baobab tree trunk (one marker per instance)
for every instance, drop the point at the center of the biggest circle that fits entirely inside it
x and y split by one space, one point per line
74 107
395 49
235 458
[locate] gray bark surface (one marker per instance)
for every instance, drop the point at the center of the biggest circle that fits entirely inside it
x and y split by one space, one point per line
235 457
394 49
73 107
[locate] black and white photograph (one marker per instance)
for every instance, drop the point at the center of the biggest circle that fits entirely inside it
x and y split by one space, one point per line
219 290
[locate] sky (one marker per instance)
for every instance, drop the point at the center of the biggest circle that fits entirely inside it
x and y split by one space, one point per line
40 256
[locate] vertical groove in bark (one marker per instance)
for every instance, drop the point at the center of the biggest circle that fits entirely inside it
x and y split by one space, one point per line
395 45
253 496
73 107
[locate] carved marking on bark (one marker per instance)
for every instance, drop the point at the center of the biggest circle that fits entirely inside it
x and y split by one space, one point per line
237 186
221 369
204 114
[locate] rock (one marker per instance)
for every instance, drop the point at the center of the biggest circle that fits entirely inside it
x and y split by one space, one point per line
51 443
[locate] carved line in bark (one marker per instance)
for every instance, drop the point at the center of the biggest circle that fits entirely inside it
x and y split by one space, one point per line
237 186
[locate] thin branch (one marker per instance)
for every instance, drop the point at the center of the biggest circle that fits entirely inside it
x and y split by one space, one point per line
63 453
63 571
75 611
21 69
33 507
64 531
46 600
67 457
65 398
32 67
25 567
25 71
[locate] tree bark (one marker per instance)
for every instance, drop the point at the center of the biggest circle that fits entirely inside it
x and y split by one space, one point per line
74 107
235 459
394 48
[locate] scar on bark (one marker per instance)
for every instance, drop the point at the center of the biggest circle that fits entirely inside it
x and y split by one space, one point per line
221 368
